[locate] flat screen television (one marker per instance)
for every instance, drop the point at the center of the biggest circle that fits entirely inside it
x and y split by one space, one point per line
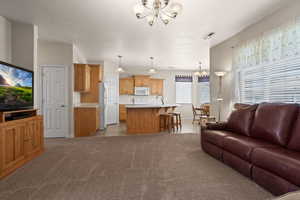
16 88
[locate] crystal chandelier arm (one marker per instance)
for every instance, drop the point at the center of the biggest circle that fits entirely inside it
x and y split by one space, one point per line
168 14
144 4
144 16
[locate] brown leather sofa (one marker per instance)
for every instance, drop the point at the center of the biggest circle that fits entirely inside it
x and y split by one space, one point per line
262 142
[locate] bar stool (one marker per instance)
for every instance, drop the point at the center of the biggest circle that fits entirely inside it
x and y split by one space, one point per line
166 122
177 117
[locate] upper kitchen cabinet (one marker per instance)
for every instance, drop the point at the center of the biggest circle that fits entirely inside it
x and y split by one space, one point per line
126 86
82 76
92 96
141 81
157 86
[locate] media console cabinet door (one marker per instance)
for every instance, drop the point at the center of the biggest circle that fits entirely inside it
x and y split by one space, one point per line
34 137
12 139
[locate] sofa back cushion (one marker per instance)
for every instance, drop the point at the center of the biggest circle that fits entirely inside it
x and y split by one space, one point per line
294 142
273 122
240 121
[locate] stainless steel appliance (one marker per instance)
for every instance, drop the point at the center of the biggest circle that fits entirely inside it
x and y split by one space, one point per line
142 91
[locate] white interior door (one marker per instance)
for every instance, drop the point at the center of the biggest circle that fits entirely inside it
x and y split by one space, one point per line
111 99
55 101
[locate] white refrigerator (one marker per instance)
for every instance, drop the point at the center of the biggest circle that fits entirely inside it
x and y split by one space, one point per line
102 105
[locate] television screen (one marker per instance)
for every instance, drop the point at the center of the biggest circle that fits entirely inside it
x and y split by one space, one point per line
16 87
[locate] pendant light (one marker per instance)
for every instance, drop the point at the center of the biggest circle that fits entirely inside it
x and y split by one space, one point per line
152 70
120 68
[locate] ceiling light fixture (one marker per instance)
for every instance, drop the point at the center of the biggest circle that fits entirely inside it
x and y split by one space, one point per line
157 9
152 70
120 68
201 72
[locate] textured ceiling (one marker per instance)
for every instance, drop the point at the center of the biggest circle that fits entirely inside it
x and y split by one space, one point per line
102 29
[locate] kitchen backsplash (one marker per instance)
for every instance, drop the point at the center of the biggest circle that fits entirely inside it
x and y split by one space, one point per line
128 99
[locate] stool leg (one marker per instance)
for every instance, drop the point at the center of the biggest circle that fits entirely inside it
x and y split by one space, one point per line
180 123
177 121
171 124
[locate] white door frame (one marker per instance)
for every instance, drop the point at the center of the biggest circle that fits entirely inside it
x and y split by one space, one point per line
40 91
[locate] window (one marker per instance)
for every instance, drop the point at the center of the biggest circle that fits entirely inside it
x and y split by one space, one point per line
279 82
268 68
184 89
203 90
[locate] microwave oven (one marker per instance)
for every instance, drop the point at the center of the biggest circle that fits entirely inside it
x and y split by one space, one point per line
141 91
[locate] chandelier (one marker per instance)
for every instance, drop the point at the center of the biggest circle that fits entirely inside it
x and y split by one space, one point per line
153 10
201 72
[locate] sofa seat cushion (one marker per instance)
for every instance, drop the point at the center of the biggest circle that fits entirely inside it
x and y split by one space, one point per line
273 122
240 121
280 161
216 137
243 146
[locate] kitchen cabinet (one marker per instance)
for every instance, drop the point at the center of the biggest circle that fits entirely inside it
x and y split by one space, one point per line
123 112
157 86
92 96
126 86
82 76
87 121
141 81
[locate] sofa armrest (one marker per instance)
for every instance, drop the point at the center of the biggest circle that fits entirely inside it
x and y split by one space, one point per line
216 126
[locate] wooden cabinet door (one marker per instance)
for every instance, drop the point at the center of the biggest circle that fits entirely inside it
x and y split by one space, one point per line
160 87
153 86
123 112
12 144
156 86
142 81
34 137
82 77
92 96
126 86
86 121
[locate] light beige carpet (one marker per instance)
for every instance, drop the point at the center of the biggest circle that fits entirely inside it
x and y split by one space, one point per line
154 167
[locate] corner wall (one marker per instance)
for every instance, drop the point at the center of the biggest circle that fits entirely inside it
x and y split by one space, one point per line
5 40
221 55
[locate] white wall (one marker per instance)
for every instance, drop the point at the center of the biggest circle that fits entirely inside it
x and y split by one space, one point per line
59 54
221 55
5 40
78 56
23 45
169 92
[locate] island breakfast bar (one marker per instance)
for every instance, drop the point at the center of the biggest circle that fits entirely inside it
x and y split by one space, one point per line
143 119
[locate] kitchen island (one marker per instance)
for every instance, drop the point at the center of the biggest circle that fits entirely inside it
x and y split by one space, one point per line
143 119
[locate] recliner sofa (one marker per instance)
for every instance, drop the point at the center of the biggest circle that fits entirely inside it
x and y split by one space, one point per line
262 142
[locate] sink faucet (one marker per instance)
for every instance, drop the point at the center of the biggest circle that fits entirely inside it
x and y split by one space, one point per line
162 100
133 100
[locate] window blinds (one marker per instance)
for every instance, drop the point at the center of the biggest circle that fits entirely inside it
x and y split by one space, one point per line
268 68
277 82
184 89
203 90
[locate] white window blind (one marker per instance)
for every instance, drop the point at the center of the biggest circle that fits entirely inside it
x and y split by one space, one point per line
268 67
184 86
276 82
203 90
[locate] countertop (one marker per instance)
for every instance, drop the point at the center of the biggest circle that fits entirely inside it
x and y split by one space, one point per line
151 105
87 105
